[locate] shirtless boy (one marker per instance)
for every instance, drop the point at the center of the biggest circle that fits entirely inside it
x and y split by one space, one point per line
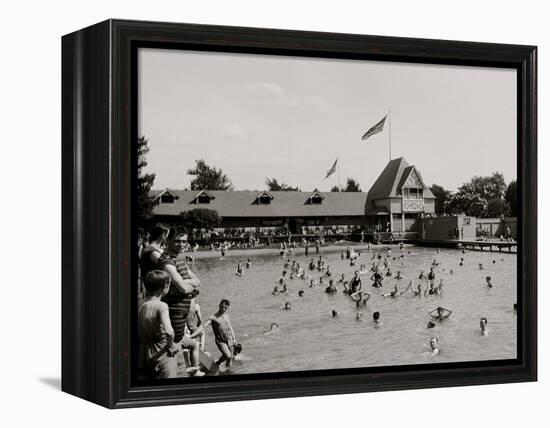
223 333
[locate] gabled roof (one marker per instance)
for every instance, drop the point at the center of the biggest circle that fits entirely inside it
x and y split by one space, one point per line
315 194
264 193
201 193
386 185
241 203
393 177
157 194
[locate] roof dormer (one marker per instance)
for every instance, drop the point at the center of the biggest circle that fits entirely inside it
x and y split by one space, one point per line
203 197
166 197
315 198
263 198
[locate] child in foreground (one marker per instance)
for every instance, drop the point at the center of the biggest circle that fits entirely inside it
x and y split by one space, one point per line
156 335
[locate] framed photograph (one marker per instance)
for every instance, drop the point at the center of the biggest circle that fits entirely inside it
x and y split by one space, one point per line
253 213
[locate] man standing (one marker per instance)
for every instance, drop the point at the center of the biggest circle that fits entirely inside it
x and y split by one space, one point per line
180 294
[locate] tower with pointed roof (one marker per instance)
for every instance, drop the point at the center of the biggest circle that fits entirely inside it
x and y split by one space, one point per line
399 197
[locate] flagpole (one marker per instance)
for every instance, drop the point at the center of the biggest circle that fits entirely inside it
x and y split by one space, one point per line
389 114
338 176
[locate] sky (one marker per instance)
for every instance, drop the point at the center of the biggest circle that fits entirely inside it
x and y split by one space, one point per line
290 118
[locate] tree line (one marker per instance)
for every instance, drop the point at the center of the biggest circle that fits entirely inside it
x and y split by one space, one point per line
486 197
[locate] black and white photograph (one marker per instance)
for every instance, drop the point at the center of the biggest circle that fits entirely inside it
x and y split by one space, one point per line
300 214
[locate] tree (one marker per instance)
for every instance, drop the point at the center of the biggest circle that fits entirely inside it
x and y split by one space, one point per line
466 203
490 187
498 208
480 197
200 218
208 177
145 202
511 196
273 185
441 197
352 186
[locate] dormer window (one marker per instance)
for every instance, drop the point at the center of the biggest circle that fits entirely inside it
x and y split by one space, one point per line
203 197
315 199
263 199
166 197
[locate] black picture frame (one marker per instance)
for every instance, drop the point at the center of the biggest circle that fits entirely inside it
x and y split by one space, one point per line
98 166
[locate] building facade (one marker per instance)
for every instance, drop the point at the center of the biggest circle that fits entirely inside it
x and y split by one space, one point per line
395 201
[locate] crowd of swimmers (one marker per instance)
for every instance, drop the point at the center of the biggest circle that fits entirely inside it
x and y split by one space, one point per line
170 319
425 284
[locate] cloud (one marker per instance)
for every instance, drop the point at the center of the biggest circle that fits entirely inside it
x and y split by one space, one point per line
234 130
265 88
275 94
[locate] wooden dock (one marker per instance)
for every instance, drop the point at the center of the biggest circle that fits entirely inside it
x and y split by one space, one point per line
492 246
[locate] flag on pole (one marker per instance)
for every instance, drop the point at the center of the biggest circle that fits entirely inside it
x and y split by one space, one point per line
375 129
332 169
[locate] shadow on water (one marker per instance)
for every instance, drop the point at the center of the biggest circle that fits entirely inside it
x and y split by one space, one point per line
52 382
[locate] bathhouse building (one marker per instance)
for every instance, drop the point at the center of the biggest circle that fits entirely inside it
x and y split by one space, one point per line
397 198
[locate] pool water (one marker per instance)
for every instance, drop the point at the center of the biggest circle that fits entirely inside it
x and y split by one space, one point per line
309 338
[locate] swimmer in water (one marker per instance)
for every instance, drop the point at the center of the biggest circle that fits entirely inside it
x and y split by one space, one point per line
223 333
377 279
285 289
431 275
418 292
239 269
273 329
461 261
488 281
248 264
376 318
431 324
422 276
439 288
288 306
398 275
334 313
301 293
331 289
342 279
481 266
359 316
312 284
275 290
396 292
483 326
440 313
388 273
361 298
434 345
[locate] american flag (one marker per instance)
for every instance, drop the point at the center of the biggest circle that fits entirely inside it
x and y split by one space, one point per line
375 129
332 169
